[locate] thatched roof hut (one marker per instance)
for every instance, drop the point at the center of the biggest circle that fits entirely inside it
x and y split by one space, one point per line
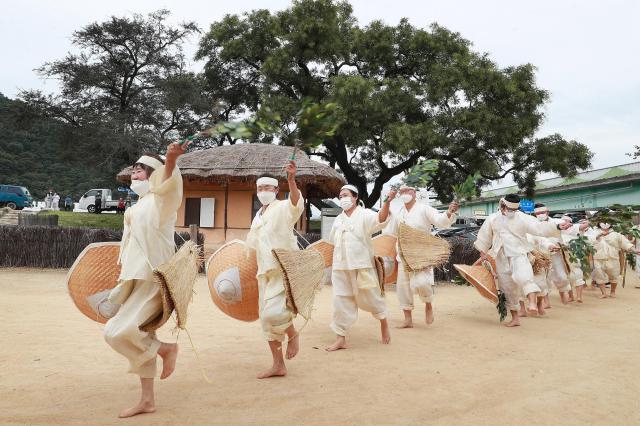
247 162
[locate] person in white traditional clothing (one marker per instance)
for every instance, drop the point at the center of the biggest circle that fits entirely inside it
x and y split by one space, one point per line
576 275
423 217
541 278
147 242
558 275
55 202
272 228
608 245
354 279
503 236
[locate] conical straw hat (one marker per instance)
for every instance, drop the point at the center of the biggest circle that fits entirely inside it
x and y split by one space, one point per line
326 250
303 271
95 270
481 277
176 279
231 275
385 246
420 250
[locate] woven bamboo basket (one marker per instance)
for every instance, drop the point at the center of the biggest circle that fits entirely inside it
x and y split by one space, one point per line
231 275
303 271
540 261
385 246
176 279
96 269
420 250
326 250
481 277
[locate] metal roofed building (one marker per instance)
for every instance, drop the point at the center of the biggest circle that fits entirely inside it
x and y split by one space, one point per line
588 190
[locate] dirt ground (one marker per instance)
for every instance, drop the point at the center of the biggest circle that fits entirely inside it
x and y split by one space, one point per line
579 365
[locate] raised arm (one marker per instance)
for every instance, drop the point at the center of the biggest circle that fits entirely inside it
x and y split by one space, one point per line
383 214
174 150
294 192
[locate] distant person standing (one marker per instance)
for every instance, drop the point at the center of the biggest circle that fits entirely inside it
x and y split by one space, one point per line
68 203
48 199
121 206
98 203
55 201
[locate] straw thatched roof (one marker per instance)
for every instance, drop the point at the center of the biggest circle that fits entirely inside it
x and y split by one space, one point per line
247 162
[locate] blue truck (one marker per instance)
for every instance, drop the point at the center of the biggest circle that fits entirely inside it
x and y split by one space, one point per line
15 197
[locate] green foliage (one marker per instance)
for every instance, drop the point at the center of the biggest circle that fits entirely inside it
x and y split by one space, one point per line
501 307
621 219
631 260
404 94
458 280
87 220
421 175
466 190
316 122
579 250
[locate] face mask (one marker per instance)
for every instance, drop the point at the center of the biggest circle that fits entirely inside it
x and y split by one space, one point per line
346 203
542 217
605 226
509 213
266 197
140 187
406 198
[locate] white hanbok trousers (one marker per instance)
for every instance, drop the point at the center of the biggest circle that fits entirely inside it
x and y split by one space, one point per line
410 283
351 296
123 334
275 317
515 277
557 274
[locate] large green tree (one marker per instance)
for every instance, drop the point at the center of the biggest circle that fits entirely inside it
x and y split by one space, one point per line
127 88
405 94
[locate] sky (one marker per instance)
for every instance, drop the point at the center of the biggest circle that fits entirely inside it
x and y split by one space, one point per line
586 52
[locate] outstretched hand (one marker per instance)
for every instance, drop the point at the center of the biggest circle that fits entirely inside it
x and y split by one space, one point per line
175 149
291 169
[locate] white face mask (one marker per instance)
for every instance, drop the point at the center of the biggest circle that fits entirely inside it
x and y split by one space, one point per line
542 217
346 203
266 197
605 226
509 213
406 198
140 187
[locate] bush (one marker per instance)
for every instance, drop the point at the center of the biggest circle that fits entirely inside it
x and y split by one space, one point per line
43 247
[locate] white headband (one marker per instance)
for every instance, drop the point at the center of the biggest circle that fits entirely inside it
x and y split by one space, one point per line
150 161
541 209
605 225
267 181
350 188
566 218
510 204
407 187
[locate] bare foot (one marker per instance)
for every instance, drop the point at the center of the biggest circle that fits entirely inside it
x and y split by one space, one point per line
532 309
169 356
564 298
522 312
541 307
293 346
513 323
384 331
340 343
142 408
612 295
275 371
602 296
579 300
407 323
428 312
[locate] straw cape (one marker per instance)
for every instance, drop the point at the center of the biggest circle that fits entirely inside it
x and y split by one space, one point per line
231 274
420 250
176 279
247 162
540 261
303 271
481 275
325 249
95 270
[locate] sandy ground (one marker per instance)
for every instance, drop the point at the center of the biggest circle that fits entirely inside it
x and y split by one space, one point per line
580 365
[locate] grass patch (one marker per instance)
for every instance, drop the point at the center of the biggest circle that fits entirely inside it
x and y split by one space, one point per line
315 225
88 220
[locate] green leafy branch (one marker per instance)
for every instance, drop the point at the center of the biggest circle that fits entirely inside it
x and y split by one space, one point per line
420 175
466 190
580 249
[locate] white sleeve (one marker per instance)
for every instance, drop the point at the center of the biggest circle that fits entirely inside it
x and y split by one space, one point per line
439 219
485 237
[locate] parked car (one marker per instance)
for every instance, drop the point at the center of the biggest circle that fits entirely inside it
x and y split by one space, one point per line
15 197
109 201
470 232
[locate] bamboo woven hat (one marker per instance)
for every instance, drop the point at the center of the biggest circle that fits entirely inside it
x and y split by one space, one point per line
385 246
176 279
96 269
481 277
303 271
326 250
420 250
541 261
231 275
